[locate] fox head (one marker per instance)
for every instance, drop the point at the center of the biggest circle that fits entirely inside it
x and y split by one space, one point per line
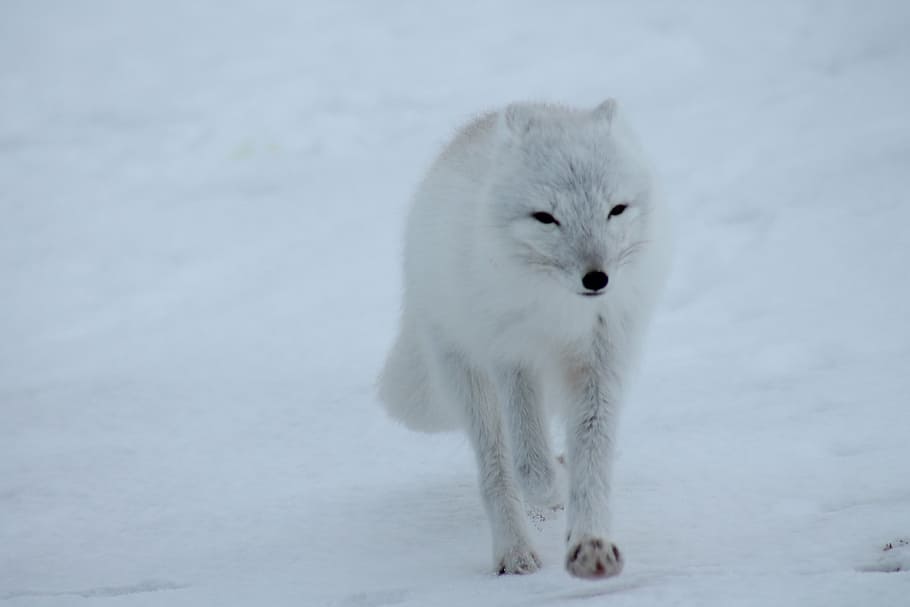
571 199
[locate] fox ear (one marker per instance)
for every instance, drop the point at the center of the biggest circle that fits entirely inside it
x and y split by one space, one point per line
605 111
519 119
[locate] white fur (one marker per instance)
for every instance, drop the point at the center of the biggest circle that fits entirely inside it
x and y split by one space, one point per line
493 311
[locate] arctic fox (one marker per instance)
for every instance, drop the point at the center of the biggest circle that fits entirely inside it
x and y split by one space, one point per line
534 250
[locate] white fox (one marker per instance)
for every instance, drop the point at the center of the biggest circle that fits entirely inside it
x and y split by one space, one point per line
534 251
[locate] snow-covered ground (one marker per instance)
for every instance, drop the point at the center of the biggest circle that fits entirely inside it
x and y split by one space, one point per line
201 206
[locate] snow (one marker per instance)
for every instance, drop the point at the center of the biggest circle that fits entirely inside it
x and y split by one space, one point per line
201 206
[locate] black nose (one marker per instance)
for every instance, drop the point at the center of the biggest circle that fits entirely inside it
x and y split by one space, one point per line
595 281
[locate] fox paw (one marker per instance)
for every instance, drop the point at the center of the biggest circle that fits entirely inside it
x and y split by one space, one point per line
593 558
519 560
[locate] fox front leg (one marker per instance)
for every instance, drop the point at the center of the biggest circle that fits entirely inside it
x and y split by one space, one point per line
594 388
473 390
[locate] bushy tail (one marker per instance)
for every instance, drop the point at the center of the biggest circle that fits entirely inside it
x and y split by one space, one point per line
406 390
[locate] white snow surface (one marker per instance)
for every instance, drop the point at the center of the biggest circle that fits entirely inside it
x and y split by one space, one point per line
201 211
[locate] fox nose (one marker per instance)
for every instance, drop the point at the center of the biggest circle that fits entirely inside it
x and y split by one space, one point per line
595 280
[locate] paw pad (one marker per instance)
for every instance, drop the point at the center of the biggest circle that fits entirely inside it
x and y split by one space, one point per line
594 558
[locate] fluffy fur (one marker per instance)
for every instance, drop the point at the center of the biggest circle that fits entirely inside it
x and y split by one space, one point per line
495 311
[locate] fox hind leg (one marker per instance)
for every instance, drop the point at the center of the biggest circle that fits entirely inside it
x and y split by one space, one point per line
538 472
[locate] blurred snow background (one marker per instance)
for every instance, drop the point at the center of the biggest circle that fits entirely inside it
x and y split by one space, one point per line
200 211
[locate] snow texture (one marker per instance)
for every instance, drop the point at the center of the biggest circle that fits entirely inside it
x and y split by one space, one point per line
201 211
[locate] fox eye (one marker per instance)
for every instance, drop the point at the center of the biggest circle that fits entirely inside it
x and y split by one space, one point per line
617 210
543 217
